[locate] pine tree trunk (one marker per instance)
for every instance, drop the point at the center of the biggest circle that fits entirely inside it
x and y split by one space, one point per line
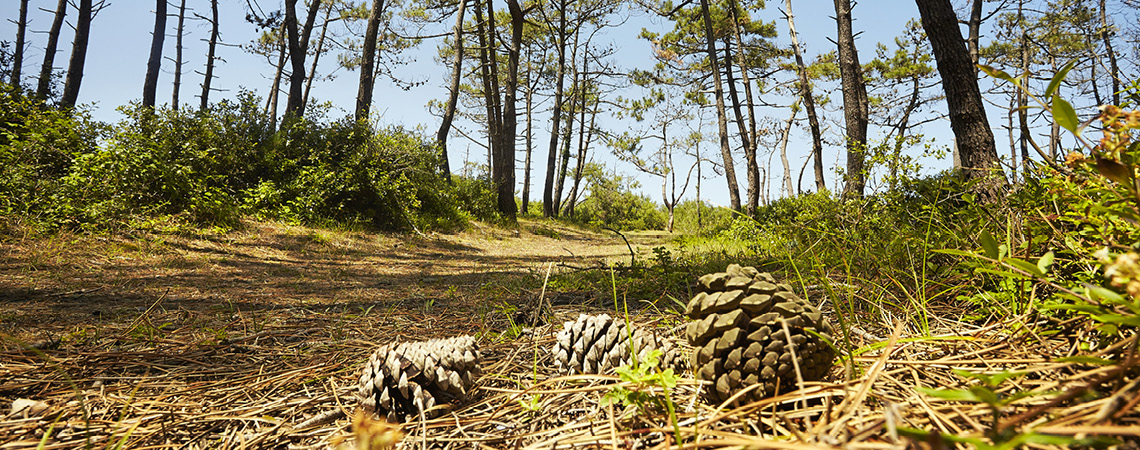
317 53
972 133
178 56
722 116
154 63
789 189
752 174
275 91
585 135
367 59
506 163
453 95
294 108
44 87
752 144
210 57
18 54
854 101
78 55
1114 70
568 127
529 141
975 27
548 209
809 103
486 59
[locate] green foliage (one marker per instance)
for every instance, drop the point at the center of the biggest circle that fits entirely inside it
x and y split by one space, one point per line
212 168
612 203
713 220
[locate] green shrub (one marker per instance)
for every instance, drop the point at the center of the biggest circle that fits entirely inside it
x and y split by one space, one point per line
612 203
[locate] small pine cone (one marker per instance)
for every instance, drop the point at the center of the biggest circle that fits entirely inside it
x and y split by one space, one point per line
598 344
739 340
400 381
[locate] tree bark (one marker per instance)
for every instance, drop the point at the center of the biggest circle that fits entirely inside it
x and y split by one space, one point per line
453 95
490 93
78 55
975 26
750 164
367 60
789 189
567 132
275 92
44 87
317 53
529 138
178 56
506 164
722 116
294 108
752 192
210 56
556 117
18 54
154 63
1114 70
809 102
972 133
854 101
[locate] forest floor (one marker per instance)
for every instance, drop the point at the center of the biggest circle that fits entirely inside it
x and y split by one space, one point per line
234 340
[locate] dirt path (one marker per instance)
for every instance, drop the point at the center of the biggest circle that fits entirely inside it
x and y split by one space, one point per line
54 286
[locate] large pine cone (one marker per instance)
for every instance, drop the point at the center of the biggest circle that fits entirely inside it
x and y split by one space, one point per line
597 344
400 381
739 341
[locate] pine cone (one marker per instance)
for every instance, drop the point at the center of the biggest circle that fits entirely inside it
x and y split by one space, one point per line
598 344
739 340
400 381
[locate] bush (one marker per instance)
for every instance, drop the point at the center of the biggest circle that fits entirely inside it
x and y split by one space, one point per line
38 145
209 168
612 203
713 219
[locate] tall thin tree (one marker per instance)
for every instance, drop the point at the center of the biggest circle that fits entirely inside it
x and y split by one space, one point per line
809 101
548 201
178 56
722 116
854 101
78 55
368 58
44 86
453 91
154 63
211 47
294 107
18 54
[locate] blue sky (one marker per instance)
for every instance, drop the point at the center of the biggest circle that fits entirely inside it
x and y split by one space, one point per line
120 41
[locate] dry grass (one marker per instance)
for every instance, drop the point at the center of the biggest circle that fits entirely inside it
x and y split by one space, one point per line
232 341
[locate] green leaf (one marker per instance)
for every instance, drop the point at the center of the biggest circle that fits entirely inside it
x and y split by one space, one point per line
955 252
989 244
992 379
1082 359
1027 266
1005 273
996 73
1112 170
1045 262
1097 292
1057 78
1065 115
960 395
